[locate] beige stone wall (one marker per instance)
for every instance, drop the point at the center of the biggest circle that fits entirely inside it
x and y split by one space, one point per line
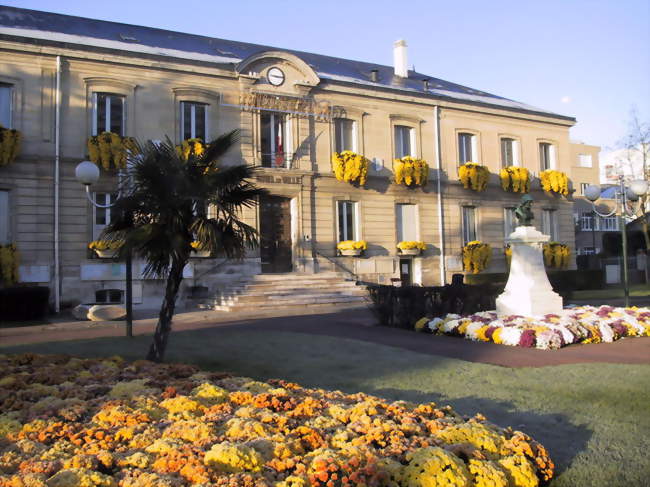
153 90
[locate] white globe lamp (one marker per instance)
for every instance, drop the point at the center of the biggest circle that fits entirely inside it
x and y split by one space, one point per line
87 173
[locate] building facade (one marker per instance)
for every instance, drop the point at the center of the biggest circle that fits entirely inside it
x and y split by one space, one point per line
64 79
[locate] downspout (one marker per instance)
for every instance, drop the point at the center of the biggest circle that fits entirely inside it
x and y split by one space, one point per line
441 227
57 153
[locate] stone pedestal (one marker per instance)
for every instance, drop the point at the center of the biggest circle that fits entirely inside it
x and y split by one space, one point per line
528 291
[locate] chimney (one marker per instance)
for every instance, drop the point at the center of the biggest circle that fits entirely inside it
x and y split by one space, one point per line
399 59
374 75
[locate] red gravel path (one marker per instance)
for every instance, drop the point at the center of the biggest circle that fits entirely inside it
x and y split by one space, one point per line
354 324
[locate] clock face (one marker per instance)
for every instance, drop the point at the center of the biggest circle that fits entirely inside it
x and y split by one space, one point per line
275 76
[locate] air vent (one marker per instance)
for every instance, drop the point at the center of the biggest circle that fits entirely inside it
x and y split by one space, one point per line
127 38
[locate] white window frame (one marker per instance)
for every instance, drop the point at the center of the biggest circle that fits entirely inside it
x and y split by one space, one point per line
466 230
583 187
107 126
288 139
10 100
550 223
193 105
5 217
356 227
585 160
588 250
515 151
353 135
552 155
473 142
587 222
509 221
399 149
608 224
102 198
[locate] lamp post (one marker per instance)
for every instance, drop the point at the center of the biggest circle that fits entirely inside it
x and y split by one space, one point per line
87 173
623 195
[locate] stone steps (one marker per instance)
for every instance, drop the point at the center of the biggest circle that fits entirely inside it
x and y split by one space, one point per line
266 292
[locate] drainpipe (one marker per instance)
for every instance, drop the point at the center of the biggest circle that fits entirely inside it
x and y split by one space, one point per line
441 227
57 144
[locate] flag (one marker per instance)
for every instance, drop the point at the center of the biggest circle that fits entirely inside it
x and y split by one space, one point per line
279 149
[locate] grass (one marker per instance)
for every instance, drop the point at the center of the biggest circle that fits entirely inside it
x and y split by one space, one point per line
639 290
593 417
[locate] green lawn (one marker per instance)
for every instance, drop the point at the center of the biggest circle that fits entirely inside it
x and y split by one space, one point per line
640 290
593 418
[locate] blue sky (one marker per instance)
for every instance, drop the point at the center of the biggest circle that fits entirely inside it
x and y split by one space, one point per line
587 59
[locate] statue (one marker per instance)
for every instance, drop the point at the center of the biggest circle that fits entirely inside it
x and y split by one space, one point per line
524 212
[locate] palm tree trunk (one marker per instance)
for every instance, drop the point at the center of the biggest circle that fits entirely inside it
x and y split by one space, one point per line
164 327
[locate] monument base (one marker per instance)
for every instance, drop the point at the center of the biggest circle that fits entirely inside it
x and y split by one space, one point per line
528 291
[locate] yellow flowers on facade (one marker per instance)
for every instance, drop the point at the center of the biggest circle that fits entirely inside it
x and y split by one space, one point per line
109 150
476 256
105 245
410 245
9 261
10 141
352 245
350 167
188 147
515 179
555 181
410 171
474 176
556 255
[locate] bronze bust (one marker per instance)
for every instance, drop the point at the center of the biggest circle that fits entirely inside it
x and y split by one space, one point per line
524 212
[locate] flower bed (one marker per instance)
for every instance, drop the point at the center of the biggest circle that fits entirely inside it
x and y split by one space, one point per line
584 324
106 423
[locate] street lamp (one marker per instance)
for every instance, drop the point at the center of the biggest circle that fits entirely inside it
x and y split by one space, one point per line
87 173
623 195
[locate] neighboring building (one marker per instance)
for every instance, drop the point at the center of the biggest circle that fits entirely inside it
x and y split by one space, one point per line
626 162
294 110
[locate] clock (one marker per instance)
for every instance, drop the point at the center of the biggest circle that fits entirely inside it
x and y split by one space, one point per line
275 76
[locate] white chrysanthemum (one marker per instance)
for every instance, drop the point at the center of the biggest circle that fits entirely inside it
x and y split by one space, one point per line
434 324
450 325
510 335
471 330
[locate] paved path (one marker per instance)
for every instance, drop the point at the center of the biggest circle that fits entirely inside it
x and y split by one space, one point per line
354 324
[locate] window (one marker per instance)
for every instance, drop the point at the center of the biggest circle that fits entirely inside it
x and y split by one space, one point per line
109 114
587 222
347 220
584 160
407 222
583 187
509 152
469 224
546 156
467 148
344 135
609 224
5 234
404 141
102 216
6 93
549 224
509 221
274 141
194 120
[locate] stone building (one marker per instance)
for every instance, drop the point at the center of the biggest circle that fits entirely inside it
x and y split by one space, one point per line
65 78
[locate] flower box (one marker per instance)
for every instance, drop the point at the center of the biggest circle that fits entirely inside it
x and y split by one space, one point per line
106 254
410 171
410 252
351 252
200 253
474 176
350 167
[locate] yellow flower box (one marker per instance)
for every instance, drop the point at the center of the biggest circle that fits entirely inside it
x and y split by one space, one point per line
351 247
9 261
411 247
555 181
10 141
188 147
109 150
105 249
476 256
350 167
515 179
410 171
474 176
556 255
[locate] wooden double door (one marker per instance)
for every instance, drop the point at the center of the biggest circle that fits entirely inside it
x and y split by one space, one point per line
275 234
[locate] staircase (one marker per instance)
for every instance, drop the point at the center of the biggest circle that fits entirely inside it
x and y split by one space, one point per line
291 291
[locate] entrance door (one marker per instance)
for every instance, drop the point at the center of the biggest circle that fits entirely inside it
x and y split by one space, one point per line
275 234
406 271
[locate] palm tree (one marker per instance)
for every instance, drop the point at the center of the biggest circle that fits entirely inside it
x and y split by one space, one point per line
163 210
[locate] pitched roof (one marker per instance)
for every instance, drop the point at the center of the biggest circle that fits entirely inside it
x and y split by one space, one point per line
58 28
